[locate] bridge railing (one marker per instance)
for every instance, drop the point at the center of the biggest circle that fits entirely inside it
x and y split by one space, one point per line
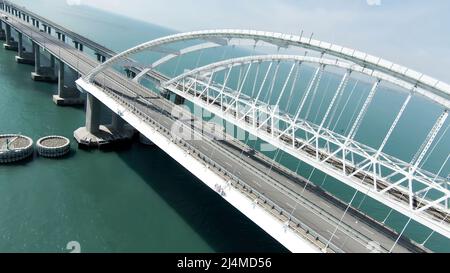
260 199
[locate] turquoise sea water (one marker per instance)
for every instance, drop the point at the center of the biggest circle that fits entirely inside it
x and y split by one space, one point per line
140 199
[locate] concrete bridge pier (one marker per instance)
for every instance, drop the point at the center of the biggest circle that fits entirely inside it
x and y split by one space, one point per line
43 74
68 93
78 45
95 135
10 44
24 57
61 36
100 57
130 74
2 32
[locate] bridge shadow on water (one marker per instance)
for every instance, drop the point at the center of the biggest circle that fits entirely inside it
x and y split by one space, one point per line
223 227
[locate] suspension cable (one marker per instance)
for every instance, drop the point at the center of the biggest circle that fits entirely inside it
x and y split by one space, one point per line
340 220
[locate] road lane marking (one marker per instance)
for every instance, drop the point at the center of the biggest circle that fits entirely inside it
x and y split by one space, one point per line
325 204
366 229
334 236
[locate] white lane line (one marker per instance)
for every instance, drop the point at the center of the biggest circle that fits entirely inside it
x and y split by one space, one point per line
257 183
226 162
325 204
289 205
366 229
335 236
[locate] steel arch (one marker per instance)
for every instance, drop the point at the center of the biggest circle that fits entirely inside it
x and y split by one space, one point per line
439 88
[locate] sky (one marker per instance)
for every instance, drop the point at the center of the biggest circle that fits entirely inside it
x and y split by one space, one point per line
413 33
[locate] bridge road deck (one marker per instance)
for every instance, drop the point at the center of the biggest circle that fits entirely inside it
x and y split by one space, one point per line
317 211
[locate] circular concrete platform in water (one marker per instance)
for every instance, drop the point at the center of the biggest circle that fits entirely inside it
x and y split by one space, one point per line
14 148
53 146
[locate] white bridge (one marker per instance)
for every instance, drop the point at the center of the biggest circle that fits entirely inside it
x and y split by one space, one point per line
271 96
404 186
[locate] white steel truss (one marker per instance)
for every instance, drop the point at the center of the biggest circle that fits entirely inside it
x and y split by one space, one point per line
393 182
403 186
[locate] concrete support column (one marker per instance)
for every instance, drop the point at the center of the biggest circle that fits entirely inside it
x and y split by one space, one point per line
20 45
9 43
46 73
33 21
130 74
78 45
52 62
24 57
93 110
8 33
61 78
37 23
100 57
2 32
67 94
63 37
37 57
118 124
95 135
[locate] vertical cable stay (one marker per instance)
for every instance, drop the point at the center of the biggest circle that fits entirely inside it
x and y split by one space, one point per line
263 83
319 70
433 232
345 104
322 100
333 114
435 145
236 100
256 80
241 68
400 235
220 95
363 111
417 159
272 85
340 89
285 85
394 124
341 219
316 88
296 76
